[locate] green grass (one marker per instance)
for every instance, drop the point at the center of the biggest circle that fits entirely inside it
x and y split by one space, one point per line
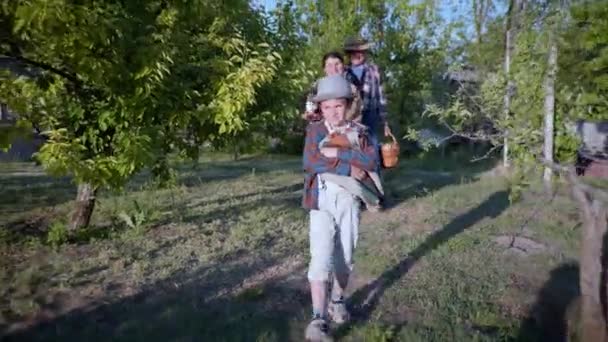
222 257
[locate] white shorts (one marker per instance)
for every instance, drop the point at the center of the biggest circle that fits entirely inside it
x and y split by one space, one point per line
334 230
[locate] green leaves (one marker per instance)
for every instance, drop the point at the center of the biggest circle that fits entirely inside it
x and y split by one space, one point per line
118 82
583 62
8 133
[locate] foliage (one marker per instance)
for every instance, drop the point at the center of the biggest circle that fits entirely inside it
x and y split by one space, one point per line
57 234
8 134
477 111
275 112
119 81
582 67
138 217
118 85
584 60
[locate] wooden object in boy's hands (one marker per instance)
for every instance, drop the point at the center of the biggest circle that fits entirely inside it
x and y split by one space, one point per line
390 153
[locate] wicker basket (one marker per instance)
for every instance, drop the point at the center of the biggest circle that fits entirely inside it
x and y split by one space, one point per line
390 153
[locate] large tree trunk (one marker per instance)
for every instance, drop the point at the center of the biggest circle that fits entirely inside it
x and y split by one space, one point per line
83 208
593 322
550 112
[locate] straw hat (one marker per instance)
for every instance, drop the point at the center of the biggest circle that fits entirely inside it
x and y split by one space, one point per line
356 44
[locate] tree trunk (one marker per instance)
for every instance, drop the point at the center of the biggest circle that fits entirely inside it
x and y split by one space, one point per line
235 150
3 111
593 322
511 21
507 69
83 208
550 113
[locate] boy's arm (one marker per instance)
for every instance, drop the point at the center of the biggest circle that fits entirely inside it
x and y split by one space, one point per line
315 162
364 158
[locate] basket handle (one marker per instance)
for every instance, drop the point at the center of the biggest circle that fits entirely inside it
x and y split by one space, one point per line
392 137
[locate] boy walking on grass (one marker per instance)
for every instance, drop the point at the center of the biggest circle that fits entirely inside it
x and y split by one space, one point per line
334 210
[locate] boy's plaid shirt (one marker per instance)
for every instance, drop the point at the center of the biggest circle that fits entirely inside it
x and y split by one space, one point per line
315 163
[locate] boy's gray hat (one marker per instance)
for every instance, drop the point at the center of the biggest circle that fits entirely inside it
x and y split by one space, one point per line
332 87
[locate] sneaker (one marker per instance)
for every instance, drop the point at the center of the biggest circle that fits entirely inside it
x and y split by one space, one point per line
318 331
337 312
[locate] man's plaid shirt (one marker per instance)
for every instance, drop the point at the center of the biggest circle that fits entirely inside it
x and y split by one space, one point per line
316 163
372 94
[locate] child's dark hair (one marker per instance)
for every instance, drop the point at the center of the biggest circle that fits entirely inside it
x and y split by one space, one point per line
332 54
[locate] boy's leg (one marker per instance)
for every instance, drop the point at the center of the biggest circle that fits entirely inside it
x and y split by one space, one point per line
347 215
321 250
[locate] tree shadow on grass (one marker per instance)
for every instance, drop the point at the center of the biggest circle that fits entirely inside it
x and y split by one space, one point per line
365 300
22 193
189 307
227 170
273 192
547 319
413 178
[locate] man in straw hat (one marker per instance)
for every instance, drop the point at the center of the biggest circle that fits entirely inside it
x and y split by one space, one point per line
374 114
334 211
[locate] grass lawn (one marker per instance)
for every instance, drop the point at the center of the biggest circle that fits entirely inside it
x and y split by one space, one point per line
222 257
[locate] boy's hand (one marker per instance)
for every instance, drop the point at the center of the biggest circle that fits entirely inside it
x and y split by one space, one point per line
329 152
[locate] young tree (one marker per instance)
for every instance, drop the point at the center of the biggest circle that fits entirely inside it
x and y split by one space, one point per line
121 82
511 26
549 124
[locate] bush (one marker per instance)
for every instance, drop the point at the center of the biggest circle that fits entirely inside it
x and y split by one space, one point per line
57 235
137 220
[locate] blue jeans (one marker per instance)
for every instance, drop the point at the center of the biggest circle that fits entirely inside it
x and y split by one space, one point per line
375 141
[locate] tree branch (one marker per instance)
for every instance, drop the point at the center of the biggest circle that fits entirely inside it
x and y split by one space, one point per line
487 155
472 99
47 67
473 137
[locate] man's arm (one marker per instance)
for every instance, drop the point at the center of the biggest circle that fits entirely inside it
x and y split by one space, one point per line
315 162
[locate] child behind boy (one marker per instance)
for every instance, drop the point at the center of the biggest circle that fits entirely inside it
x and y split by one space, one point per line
334 211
